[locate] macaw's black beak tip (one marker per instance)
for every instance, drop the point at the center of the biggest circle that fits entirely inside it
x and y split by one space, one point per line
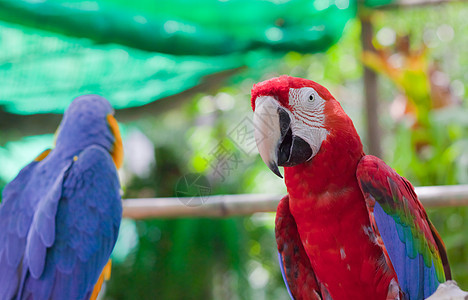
274 168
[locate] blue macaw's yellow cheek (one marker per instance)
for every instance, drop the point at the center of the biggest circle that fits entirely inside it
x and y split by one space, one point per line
117 148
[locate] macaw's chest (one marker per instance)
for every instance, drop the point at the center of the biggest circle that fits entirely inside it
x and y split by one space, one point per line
337 237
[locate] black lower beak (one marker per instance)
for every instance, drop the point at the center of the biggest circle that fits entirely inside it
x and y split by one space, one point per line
292 150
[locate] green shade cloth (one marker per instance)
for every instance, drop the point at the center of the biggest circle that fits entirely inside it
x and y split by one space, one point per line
136 52
377 3
43 72
187 27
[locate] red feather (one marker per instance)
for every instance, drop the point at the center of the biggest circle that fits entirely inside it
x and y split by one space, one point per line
331 216
299 275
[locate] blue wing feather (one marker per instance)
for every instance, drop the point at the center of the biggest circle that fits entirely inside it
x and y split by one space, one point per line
42 232
16 212
84 234
411 271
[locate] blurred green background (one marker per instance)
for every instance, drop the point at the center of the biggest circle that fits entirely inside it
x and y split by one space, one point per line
181 80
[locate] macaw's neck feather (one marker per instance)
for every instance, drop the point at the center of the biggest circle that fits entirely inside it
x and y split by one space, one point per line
72 139
335 164
331 215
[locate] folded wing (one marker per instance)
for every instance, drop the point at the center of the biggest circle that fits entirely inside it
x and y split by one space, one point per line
401 227
295 265
72 235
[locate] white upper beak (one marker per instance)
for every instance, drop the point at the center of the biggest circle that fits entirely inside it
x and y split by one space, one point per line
267 131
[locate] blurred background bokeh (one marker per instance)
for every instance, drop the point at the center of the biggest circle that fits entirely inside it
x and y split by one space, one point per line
179 74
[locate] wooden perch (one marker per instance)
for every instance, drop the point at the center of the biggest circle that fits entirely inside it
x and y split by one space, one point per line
247 204
210 206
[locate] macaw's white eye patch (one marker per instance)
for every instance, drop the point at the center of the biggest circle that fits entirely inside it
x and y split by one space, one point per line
308 117
308 104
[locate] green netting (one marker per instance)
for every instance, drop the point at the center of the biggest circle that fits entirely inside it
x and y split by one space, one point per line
202 27
135 52
42 72
376 3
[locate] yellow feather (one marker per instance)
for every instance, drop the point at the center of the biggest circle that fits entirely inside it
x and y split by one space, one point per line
105 275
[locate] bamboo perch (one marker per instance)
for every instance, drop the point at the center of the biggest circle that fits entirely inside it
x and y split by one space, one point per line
247 204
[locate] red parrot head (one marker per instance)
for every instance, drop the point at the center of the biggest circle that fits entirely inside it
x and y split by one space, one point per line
293 117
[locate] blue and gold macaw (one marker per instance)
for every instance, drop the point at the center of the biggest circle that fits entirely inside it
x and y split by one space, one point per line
60 216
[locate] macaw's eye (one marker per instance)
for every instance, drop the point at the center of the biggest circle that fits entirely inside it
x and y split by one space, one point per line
311 97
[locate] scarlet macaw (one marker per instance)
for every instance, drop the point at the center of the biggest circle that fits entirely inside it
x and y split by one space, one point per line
60 216
350 226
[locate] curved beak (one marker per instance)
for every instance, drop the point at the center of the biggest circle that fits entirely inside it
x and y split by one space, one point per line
276 142
267 131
